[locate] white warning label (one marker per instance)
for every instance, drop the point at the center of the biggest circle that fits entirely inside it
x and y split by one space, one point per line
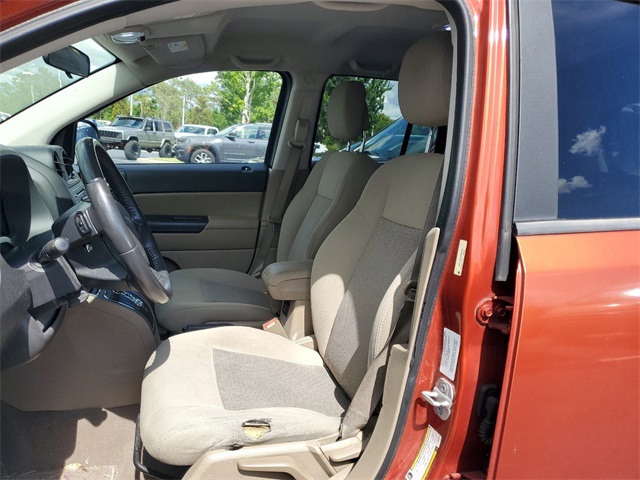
450 352
462 251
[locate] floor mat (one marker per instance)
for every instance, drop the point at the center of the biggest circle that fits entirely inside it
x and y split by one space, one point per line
78 444
74 471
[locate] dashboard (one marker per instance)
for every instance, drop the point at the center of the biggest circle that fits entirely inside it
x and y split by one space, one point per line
37 185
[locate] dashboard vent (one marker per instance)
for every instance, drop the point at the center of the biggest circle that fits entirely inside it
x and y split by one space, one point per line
63 165
58 161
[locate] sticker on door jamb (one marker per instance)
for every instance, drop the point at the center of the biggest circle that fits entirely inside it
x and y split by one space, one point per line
424 461
462 251
450 353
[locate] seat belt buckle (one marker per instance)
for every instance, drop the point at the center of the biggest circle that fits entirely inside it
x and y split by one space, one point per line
274 326
275 222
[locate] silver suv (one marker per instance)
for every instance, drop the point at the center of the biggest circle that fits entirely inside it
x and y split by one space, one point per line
235 144
133 134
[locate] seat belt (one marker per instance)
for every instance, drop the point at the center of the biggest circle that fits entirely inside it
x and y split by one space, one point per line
369 393
297 145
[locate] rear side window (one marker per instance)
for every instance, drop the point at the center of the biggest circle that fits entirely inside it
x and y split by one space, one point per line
388 130
598 89
167 127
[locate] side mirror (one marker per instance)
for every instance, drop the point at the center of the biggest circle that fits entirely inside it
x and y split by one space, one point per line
231 136
70 60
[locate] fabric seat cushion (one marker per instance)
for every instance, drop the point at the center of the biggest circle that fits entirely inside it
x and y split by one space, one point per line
202 295
201 387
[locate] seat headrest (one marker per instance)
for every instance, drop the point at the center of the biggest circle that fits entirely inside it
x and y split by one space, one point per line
424 82
347 112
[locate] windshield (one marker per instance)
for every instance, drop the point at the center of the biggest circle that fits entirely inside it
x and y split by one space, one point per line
33 81
191 129
127 122
387 143
227 130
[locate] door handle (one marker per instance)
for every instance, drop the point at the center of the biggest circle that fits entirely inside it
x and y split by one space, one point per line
246 169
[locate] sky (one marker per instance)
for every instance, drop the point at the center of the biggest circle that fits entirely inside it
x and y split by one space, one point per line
204 78
391 108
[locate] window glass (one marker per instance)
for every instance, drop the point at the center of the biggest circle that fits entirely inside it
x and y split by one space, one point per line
197 106
598 69
27 84
248 132
387 129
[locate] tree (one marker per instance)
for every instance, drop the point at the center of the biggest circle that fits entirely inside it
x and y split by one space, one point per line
30 86
375 90
246 97
167 101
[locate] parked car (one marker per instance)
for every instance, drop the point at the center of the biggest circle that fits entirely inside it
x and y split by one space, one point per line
134 134
387 143
235 144
192 129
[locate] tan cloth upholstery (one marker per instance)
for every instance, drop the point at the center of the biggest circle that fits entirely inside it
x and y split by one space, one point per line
185 411
201 387
360 266
424 87
330 192
347 113
238 298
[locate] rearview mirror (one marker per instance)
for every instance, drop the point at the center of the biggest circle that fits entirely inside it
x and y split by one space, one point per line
70 60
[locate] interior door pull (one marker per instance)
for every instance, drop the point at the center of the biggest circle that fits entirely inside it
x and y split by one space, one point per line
246 169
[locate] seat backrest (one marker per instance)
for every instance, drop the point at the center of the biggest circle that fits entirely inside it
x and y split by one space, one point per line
335 183
356 275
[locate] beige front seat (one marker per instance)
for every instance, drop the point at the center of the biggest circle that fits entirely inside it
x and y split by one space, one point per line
334 185
209 389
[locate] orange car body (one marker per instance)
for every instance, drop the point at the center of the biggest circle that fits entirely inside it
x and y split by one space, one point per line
570 395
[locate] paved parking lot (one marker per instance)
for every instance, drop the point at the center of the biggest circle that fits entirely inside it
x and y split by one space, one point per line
145 157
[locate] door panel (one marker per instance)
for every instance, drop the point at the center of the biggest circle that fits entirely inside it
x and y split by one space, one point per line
569 405
203 215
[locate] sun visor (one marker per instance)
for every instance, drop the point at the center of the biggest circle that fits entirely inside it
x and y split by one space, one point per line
185 51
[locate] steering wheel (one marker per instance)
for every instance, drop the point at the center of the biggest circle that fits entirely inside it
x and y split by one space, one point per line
137 250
